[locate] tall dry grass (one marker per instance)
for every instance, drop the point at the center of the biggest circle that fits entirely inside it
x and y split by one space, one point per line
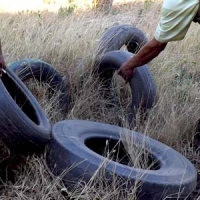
69 43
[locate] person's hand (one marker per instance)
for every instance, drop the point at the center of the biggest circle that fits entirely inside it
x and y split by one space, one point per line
126 70
2 62
2 65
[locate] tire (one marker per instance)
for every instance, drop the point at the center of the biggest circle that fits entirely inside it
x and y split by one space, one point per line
142 83
196 139
117 36
24 127
80 144
43 72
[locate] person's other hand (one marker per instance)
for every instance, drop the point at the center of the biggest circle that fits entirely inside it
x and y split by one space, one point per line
126 71
2 62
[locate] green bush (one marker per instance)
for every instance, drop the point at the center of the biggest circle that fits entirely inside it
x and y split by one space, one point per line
68 9
49 1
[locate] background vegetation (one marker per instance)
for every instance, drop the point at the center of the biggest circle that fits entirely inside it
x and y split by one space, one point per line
68 39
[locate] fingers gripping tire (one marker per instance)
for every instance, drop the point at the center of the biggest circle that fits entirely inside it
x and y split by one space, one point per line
23 124
142 83
80 146
117 36
43 72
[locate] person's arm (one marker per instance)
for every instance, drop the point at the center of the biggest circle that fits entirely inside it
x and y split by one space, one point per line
173 26
147 53
2 62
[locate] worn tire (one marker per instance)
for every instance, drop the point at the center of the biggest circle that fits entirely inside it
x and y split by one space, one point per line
142 83
43 72
24 129
76 146
196 137
117 36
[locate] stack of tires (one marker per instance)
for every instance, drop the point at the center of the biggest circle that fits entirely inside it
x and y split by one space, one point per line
24 127
109 59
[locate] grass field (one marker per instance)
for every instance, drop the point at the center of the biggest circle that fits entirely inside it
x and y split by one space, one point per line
69 36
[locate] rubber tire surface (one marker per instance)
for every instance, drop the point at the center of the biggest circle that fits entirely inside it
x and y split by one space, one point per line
43 72
23 124
67 148
117 36
196 140
142 83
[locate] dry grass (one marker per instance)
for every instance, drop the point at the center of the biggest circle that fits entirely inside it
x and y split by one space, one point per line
62 39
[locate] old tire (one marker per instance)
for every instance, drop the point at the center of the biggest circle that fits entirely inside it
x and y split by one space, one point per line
23 124
43 72
117 36
142 83
76 146
196 137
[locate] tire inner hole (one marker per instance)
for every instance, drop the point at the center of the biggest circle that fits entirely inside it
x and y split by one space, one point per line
115 150
133 46
19 97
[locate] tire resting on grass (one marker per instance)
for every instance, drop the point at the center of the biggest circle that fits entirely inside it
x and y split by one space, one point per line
117 36
24 127
142 83
67 151
43 72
